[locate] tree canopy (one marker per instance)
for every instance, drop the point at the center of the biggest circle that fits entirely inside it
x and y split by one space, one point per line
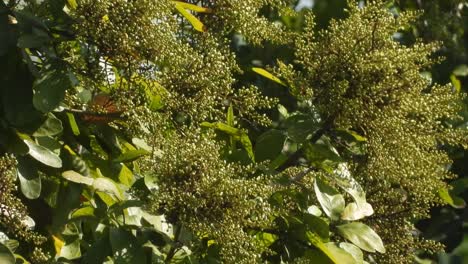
231 131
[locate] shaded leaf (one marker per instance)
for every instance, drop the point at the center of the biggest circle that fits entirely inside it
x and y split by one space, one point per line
51 127
30 181
50 90
6 256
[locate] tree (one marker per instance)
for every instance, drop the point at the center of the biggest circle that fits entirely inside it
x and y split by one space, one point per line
142 132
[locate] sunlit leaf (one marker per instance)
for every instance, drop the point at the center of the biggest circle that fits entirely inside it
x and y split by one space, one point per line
333 203
362 236
196 23
452 200
43 154
77 178
268 75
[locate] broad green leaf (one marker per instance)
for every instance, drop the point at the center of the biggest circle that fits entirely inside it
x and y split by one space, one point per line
71 250
362 236
108 186
335 254
300 127
197 24
126 176
131 155
314 210
342 176
73 124
11 244
84 212
354 251
315 240
318 153
6 256
49 90
125 247
77 178
120 206
333 203
318 226
43 154
269 145
268 75
452 200
30 181
51 127
353 211
340 254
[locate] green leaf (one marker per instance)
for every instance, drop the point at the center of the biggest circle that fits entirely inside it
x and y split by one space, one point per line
333 203
125 247
456 83
354 211
126 176
84 212
131 155
71 250
318 226
120 206
51 127
230 116
72 4
335 254
318 153
340 254
269 145
43 154
362 236
354 251
73 125
50 90
6 256
300 127
30 181
268 75
196 23
77 178
452 200
11 244
108 186
245 141
192 7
